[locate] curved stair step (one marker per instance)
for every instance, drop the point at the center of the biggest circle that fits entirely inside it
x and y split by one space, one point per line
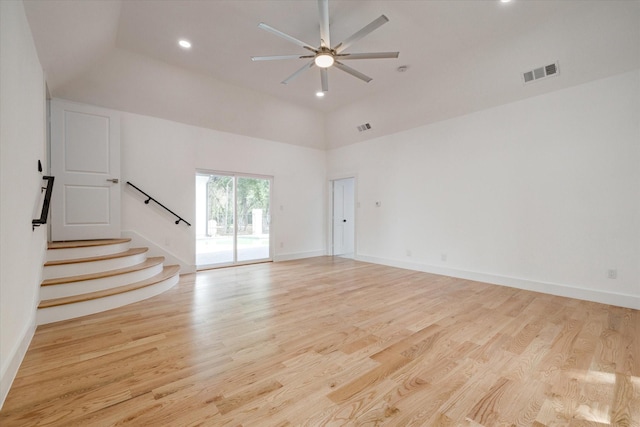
85 248
85 243
133 251
92 265
57 309
85 283
149 262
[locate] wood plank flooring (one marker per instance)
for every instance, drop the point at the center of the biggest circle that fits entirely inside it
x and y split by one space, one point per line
332 342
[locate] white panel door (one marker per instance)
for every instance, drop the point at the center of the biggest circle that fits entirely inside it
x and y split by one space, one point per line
343 217
85 160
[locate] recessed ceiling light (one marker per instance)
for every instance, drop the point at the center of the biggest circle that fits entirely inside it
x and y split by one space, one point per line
505 1
320 94
185 44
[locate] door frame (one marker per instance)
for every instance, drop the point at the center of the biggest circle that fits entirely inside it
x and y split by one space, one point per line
356 206
235 261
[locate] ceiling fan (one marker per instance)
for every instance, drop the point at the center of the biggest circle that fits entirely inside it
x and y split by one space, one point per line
326 56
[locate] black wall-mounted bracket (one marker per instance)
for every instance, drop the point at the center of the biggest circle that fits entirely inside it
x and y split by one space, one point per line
45 205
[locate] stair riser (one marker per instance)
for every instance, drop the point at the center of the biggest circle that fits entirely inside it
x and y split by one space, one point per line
92 267
86 252
93 285
84 308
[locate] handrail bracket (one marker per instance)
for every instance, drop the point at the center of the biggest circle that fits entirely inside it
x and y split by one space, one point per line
149 198
45 205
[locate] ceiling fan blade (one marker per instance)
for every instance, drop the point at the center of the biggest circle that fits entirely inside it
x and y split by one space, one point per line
297 73
351 71
323 7
276 57
371 55
360 34
279 33
324 78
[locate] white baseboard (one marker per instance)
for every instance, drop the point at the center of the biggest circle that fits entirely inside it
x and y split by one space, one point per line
156 250
10 370
297 255
620 300
9 367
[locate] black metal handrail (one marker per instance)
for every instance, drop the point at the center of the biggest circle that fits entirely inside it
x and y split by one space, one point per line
149 198
45 205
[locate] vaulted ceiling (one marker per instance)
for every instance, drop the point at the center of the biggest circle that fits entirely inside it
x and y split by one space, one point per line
461 56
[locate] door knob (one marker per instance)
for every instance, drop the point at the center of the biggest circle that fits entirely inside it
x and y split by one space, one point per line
114 180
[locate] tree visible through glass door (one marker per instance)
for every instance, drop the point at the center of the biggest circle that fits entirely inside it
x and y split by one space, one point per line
252 196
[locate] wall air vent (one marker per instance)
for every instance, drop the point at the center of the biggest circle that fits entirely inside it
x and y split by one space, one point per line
364 127
541 73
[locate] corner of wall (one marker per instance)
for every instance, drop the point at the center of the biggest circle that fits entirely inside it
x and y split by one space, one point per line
23 134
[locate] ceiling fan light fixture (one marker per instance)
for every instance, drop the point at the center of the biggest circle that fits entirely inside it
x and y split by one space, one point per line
324 60
324 56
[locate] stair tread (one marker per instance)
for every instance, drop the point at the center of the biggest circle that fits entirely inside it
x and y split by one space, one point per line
85 243
150 262
167 272
133 251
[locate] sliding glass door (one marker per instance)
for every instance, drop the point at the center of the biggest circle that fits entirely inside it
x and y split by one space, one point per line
232 219
252 207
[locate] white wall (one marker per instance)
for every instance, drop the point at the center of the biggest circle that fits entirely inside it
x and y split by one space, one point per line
130 82
22 144
486 76
162 157
540 194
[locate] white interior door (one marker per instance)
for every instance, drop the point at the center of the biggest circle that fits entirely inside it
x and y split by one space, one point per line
344 217
85 160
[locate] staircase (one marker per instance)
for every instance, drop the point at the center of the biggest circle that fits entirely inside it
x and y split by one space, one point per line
86 277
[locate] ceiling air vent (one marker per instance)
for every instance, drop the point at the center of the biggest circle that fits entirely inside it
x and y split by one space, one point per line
364 127
541 73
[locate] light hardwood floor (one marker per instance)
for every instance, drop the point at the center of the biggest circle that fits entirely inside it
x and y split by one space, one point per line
327 341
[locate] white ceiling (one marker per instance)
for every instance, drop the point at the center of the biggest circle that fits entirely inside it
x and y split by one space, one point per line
437 40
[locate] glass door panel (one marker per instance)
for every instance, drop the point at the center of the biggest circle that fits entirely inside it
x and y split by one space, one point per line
215 220
252 196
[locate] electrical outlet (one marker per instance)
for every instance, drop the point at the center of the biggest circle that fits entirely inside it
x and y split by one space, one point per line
612 273
282 244
443 257
408 253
